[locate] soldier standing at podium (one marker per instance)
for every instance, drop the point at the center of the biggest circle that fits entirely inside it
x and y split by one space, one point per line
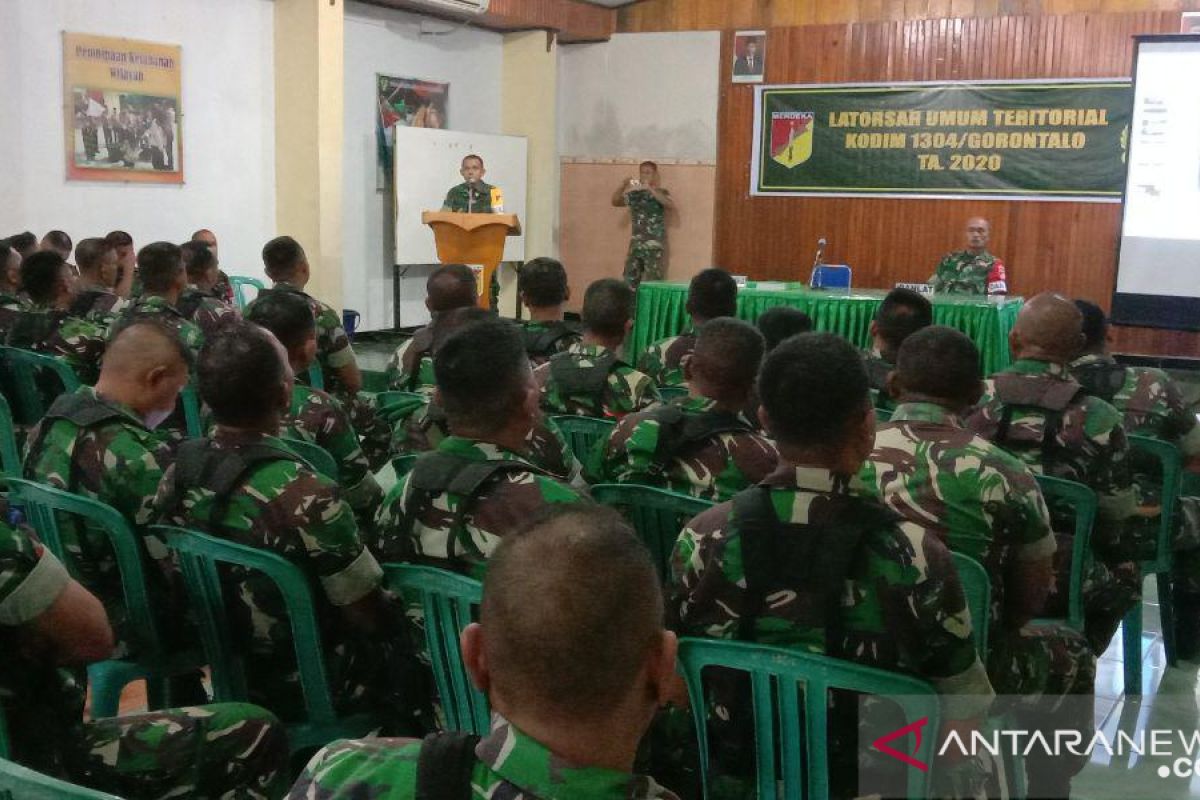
473 196
648 204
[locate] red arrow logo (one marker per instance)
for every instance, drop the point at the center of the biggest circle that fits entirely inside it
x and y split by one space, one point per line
881 744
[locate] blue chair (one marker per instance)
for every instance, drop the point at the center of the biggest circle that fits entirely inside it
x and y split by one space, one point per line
658 515
314 455
831 276
316 377
32 382
1083 503
21 783
977 587
191 411
239 284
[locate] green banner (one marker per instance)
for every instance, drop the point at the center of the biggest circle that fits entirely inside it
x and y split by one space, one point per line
1060 140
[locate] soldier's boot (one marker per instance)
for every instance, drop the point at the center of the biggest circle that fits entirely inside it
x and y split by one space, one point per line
1187 623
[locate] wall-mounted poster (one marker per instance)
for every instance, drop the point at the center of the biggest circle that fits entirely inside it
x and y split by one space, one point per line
121 107
749 56
410 103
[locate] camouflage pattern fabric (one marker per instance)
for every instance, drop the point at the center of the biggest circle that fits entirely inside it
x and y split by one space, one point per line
714 469
77 342
878 369
626 390
647 259
532 329
458 199
102 305
663 360
333 345
510 766
206 310
400 375
964 272
224 750
156 307
501 507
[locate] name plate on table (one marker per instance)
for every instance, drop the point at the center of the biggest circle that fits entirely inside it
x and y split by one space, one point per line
919 288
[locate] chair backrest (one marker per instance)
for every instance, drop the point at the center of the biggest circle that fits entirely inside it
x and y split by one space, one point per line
790 697
36 379
402 465
977 587
10 456
47 508
21 783
1171 462
317 457
199 554
658 515
1083 503
584 433
239 285
447 601
316 377
831 276
669 393
393 397
191 411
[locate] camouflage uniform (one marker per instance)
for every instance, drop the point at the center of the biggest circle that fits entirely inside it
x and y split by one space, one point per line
715 467
647 259
203 309
966 273
878 369
1089 447
410 369
663 360
156 307
98 304
624 391
10 306
223 288
458 532
544 339
458 199
510 764
224 750
77 342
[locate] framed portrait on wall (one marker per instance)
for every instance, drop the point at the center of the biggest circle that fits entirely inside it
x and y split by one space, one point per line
749 56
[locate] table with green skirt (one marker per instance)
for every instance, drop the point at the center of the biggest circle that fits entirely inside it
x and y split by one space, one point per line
661 313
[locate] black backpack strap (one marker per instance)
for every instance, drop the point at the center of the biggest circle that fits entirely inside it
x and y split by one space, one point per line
84 411
198 464
1051 398
679 430
31 327
189 302
444 766
543 343
877 373
588 382
83 302
1100 379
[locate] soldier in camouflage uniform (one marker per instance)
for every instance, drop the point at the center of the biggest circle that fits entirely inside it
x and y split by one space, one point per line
809 558
314 415
983 502
648 204
46 326
974 270
460 500
199 302
223 288
711 294
589 379
244 485
10 282
449 287
902 313
127 276
49 625
543 287
160 268
98 297
472 196
580 655
1036 411
703 444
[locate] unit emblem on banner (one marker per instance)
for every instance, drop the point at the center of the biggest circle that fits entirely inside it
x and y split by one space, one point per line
792 136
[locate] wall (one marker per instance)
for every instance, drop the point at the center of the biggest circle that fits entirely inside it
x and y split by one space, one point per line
228 124
391 42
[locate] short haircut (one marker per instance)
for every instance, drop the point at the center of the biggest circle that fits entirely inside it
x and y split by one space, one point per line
607 306
451 286
941 362
782 322
1095 324
40 273
481 372
23 242
902 313
239 372
285 314
711 294
119 239
543 281
59 240
572 610
198 258
729 352
197 234
159 265
5 252
813 386
281 256
648 164
454 320
467 158
90 252
122 347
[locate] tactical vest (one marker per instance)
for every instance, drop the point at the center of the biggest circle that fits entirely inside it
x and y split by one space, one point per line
444 766
1051 397
422 346
85 301
877 375
33 327
136 311
189 302
1100 379
584 383
680 430
544 343
85 411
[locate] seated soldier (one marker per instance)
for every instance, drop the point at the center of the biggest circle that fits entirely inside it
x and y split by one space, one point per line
223 288
589 379
711 294
702 444
460 500
25 243
782 322
983 502
160 269
544 291
314 415
99 298
778 561
46 325
902 313
1035 410
10 286
198 302
59 242
127 274
410 369
50 627
571 652
242 484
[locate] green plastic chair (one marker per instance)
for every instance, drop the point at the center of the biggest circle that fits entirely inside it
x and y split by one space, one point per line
44 508
315 377
239 284
977 587
447 600
191 411
658 515
393 397
1084 504
1159 565
793 722
584 434
317 457
669 393
199 554
404 464
35 380
10 456
21 783
883 415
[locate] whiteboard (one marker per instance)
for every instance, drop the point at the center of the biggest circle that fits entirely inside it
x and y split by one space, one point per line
427 161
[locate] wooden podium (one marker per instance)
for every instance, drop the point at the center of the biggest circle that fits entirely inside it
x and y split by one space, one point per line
472 239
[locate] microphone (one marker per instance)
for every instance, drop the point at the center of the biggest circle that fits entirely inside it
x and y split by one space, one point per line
820 259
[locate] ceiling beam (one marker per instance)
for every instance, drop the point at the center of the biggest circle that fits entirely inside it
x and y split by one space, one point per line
571 20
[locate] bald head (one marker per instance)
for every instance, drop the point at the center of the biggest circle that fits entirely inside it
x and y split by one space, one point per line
1049 328
450 286
142 346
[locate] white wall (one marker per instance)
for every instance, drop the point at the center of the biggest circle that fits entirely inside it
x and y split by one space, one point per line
384 41
228 124
641 95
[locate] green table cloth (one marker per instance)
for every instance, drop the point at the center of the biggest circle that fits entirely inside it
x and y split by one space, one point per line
660 313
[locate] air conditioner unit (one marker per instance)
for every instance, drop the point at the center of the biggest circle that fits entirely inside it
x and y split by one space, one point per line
457 8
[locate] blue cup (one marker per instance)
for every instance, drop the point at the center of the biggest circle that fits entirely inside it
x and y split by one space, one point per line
350 319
